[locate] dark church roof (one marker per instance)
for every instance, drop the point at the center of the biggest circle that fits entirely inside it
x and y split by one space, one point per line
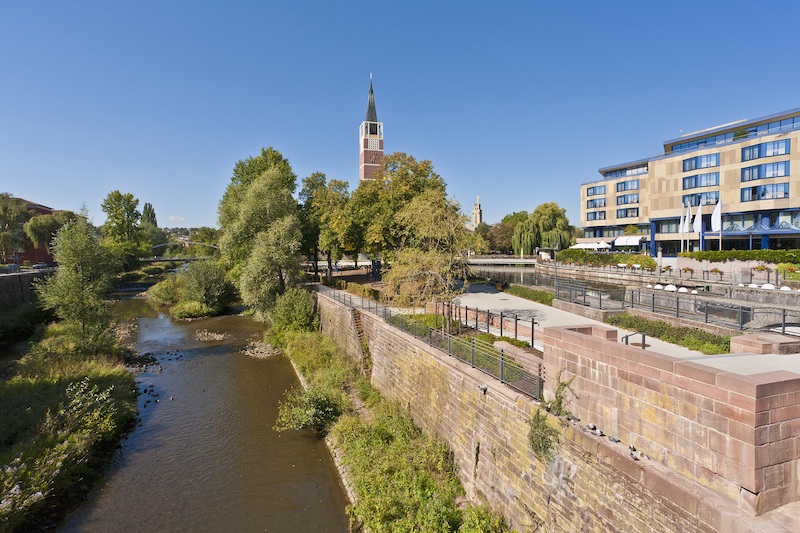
372 115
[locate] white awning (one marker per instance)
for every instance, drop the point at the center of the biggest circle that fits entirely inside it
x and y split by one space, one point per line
628 240
590 246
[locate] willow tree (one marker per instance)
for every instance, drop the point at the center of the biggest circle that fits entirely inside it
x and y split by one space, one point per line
41 229
547 226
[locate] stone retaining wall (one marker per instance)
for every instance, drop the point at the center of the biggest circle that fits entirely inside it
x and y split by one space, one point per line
591 484
17 289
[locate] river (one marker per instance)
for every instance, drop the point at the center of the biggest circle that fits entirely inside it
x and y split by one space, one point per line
205 456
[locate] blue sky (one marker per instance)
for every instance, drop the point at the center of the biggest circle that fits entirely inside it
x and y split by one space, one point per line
518 102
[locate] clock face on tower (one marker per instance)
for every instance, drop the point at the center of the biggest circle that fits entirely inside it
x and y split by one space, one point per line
374 157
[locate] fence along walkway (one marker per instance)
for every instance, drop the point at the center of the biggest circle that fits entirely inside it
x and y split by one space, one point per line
522 373
720 312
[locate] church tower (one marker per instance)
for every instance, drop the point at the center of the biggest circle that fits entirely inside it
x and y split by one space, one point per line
370 141
477 213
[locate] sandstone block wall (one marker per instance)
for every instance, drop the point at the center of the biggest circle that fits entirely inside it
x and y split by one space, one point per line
592 484
739 435
17 289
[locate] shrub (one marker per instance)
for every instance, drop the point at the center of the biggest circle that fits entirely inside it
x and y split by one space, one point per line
312 408
190 309
691 338
165 292
482 520
131 276
584 256
294 311
767 256
205 282
531 294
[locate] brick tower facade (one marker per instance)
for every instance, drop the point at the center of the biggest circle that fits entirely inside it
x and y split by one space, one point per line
370 141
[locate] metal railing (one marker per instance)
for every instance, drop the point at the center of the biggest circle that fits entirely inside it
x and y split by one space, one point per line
524 374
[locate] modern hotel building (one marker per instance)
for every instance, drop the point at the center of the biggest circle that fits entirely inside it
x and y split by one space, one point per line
751 166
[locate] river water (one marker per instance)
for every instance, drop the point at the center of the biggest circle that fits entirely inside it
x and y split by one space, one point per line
205 457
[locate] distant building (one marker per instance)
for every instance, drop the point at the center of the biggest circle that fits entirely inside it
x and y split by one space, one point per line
751 167
30 254
370 141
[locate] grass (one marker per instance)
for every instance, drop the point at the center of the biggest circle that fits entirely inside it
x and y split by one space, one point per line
403 479
62 415
691 338
534 295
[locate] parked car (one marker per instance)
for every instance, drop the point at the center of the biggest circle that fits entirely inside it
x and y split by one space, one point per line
11 268
39 266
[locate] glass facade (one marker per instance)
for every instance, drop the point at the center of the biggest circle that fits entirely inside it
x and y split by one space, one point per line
596 202
777 126
701 161
628 212
630 185
596 215
701 198
597 189
766 170
628 199
701 180
632 171
765 192
769 149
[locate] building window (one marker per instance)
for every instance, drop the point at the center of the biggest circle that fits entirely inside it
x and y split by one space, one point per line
597 189
668 226
701 180
596 215
628 212
632 171
701 198
630 185
628 199
766 170
701 161
766 150
774 191
596 202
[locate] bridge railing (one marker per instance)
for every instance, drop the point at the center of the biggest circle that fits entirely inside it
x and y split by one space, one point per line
522 373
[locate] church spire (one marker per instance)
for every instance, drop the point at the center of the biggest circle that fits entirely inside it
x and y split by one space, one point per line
372 115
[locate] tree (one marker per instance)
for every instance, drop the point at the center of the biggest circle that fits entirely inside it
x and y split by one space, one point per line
261 235
41 229
434 249
258 206
12 216
149 214
376 203
205 282
516 217
631 229
546 226
500 236
77 291
329 205
273 264
203 235
121 231
310 217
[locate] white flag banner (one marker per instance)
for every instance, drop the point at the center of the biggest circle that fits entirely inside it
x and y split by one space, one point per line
716 218
687 228
698 219
683 218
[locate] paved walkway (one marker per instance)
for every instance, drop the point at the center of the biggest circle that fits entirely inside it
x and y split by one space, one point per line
485 297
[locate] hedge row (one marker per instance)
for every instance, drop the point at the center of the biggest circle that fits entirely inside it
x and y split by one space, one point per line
767 256
599 258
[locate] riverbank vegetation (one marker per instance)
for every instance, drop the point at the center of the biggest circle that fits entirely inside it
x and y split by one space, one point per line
201 290
403 479
62 413
691 338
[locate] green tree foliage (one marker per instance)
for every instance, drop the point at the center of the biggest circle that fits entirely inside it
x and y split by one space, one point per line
310 217
433 247
273 263
41 229
330 204
149 214
77 291
12 216
516 217
631 229
500 235
121 231
205 282
546 226
204 235
375 204
294 311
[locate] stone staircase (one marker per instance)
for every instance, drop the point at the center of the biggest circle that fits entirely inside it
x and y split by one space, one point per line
363 346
